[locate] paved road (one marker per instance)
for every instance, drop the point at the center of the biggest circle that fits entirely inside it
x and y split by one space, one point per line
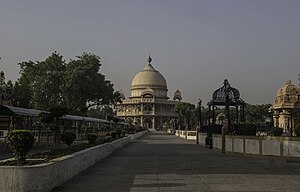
161 162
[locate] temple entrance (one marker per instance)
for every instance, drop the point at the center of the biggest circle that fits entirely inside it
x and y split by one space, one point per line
148 123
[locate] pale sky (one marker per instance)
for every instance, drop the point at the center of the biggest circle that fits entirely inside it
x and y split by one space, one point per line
195 44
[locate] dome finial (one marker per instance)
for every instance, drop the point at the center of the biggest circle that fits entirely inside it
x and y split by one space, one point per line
149 59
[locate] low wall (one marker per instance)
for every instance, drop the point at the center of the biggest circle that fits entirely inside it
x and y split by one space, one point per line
191 135
45 177
257 145
137 135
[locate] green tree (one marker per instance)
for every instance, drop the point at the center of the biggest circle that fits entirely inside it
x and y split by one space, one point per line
78 84
22 94
20 142
68 137
6 87
2 80
186 113
257 113
51 120
85 86
45 80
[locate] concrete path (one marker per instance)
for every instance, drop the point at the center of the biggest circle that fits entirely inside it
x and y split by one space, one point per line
161 162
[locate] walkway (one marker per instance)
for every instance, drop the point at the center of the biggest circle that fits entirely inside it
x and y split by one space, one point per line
161 162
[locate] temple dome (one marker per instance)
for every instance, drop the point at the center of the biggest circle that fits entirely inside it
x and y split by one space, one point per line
287 96
149 77
288 89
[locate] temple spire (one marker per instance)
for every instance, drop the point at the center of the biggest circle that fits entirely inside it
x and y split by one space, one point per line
149 59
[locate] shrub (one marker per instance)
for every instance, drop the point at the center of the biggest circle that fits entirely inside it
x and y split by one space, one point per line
297 130
68 137
20 142
100 141
91 138
107 139
277 131
115 119
119 132
245 129
113 135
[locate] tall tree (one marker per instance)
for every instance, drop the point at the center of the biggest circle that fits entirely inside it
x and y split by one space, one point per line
186 113
45 80
2 80
76 85
6 87
257 113
22 94
85 86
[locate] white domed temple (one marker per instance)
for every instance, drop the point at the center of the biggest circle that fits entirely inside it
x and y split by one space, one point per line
287 107
149 105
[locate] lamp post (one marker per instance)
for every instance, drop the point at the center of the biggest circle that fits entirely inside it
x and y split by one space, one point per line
199 117
226 123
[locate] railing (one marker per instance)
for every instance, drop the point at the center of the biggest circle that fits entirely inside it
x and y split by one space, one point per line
147 100
134 113
191 135
145 113
134 101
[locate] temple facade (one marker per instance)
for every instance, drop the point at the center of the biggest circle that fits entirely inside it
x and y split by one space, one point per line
287 107
148 105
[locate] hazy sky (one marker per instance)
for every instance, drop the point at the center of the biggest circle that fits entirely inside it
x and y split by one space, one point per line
195 44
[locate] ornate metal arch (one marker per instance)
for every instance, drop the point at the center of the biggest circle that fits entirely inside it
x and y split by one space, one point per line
225 96
219 96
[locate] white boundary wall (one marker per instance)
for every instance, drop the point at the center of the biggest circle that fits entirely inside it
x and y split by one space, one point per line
45 177
252 145
257 145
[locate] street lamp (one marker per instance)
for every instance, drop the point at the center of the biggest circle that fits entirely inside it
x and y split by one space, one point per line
199 117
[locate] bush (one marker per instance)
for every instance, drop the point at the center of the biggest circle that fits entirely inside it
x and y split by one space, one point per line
297 130
277 131
68 137
245 129
100 141
20 142
107 139
113 135
91 138
119 132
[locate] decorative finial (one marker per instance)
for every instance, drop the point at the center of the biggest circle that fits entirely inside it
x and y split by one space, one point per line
149 59
225 82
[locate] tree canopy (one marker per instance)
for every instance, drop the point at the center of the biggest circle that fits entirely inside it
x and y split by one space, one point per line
6 87
258 113
77 84
186 113
253 113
